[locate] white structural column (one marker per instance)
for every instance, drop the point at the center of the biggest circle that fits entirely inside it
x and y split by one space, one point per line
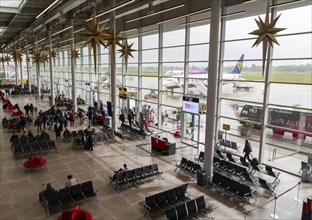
21 70
27 66
73 66
37 71
140 94
51 69
212 85
112 54
160 71
221 57
267 87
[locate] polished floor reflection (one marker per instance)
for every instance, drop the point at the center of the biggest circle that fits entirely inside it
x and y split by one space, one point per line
19 188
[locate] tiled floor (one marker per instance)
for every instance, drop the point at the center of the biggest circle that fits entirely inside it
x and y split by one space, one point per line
19 188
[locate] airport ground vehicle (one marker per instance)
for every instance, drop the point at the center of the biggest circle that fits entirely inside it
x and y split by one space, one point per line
291 120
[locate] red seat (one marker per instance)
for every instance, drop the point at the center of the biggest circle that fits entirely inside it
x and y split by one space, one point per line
35 162
75 214
17 113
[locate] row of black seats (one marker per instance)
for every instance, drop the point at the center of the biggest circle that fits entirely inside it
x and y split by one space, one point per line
252 165
188 165
134 130
67 196
6 123
131 176
242 172
165 200
229 144
233 187
72 134
31 139
194 208
25 149
229 166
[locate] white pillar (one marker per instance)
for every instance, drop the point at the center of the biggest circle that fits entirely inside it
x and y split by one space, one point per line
212 86
51 69
73 66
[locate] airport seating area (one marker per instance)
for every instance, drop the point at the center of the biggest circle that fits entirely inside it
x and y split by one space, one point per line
132 132
233 187
32 145
177 204
133 176
188 166
229 144
245 171
68 196
162 201
192 209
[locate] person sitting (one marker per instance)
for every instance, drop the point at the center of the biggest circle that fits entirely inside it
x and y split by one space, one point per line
66 133
14 136
5 121
30 134
71 181
122 169
43 193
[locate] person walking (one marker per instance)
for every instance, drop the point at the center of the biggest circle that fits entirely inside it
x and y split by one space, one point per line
247 150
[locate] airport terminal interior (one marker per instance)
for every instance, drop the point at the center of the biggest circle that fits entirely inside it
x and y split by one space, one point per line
106 83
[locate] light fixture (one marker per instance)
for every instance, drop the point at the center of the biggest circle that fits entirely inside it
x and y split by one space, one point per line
47 9
145 32
156 13
66 40
285 3
3 45
195 22
40 40
232 14
62 30
183 16
112 9
249 1
27 46
50 45
75 32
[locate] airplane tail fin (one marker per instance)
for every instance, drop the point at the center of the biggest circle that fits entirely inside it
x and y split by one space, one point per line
239 65
205 71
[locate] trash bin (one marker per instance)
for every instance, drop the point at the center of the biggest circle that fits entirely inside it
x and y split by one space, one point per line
201 177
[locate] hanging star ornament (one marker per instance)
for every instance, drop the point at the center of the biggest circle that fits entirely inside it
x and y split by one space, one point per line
7 59
266 34
16 55
94 34
74 54
38 57
53 55
126 51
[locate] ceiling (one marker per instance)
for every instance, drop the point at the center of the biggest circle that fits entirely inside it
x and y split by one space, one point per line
18 17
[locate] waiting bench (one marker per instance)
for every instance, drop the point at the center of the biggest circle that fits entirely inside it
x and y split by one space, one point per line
132 176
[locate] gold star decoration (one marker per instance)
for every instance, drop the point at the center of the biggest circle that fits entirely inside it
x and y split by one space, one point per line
16 55
27 58
53 55
126 51
7 59
74 54
38 57
45 58
94 34
2 60
266 34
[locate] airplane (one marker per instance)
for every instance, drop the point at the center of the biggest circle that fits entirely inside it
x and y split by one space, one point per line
196 78
191 72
